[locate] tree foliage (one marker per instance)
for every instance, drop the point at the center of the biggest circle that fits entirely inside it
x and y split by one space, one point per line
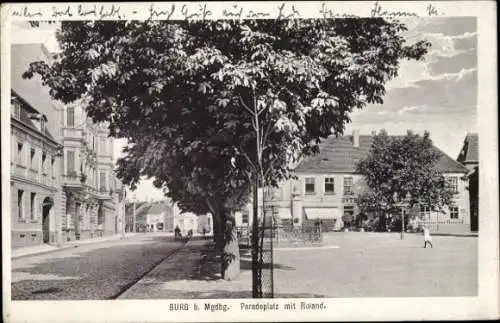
191 96
403 169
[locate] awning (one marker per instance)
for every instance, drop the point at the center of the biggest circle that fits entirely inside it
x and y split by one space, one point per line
323 213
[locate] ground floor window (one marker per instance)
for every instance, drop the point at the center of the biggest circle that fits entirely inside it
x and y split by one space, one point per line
454 212
33 206
424 212
100 216
20 208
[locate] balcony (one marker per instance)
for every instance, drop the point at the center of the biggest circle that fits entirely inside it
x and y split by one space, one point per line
104 194
73 180
74 133
349 199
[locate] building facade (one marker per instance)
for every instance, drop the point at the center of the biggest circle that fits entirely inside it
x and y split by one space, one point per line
189 221
469 157
92 196
35 154
327 186
62 182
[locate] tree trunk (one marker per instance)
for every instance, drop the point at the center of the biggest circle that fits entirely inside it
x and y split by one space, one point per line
216 229
219 233
231 252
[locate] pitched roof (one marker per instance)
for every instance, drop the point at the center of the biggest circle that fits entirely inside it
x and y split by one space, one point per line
24 115
470 149
32 92
338 155
151 208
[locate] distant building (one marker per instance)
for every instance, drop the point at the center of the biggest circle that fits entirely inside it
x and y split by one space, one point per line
189 221
35 155
327 186
165 216
469 157
151 216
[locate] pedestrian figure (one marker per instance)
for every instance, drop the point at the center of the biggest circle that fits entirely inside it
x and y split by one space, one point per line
427 237
177 232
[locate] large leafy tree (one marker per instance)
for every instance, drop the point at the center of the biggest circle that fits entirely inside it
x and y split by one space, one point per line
402 170
209 106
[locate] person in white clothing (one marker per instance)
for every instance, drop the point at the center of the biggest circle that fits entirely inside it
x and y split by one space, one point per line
427 237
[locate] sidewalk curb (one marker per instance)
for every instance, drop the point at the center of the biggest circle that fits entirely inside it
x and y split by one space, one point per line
146 274
72 245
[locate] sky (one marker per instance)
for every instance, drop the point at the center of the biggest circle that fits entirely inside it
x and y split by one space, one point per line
438 94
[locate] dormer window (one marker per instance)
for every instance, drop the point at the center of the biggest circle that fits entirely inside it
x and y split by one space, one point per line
42 125
16 107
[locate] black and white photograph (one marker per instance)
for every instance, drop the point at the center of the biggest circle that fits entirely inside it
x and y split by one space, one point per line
242 158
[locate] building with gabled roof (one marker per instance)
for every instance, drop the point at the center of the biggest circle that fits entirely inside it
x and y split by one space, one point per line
35 155
469 154
469 157
327 185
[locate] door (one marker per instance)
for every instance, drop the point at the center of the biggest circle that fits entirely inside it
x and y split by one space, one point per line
46 206
78 222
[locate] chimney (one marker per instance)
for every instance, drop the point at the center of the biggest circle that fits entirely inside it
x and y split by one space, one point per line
355 138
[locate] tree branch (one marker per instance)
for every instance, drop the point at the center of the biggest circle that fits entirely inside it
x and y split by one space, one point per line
246 106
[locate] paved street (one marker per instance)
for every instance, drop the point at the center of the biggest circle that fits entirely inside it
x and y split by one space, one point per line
345 265
94 271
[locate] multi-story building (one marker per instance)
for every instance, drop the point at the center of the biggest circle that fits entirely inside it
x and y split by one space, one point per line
35 154
327 186
92 196
62 180
469 157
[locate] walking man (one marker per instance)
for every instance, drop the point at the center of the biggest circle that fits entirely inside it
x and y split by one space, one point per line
427 237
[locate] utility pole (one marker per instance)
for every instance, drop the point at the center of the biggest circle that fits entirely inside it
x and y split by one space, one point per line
255 238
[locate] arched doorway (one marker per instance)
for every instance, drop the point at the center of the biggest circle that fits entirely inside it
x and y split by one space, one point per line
46 206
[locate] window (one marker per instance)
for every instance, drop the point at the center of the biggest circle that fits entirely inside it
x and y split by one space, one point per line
32 158
424 211
16 107
19 154
44 166
244 219
102 146
102 181
20 208
70 122
348 186
329 185
71 162
310 189
52 163
453 184
454 212
33 206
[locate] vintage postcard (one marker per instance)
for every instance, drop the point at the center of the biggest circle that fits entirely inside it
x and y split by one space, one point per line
249 161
